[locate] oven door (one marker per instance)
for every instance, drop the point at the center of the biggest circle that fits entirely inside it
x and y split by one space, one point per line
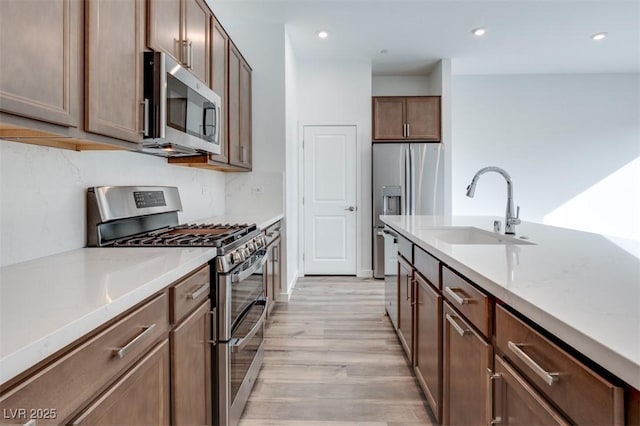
239 362
237 292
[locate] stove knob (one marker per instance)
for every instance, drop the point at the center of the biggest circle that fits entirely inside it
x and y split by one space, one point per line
237 256
251 246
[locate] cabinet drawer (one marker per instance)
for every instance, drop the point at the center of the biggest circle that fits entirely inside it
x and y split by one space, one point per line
517 403
585 396
68 382
405 248
471 302
189 293
428 266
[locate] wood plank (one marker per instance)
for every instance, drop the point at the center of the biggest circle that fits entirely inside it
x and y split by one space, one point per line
333 358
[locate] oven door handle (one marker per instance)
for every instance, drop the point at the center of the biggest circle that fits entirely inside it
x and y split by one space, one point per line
243 275
237 345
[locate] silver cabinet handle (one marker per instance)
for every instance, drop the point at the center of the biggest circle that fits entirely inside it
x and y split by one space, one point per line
404 130
493 377
145 117
461 331
123 351
408 129
190 66
460 300
549 378
31 422
350 208
198 292
238 344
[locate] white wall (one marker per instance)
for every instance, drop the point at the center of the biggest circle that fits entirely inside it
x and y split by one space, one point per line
570 142
400 85
339 93
291 159
42 194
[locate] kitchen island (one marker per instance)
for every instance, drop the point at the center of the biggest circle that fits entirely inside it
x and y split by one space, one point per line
580 290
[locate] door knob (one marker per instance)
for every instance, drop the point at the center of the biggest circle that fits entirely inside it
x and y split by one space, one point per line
350 208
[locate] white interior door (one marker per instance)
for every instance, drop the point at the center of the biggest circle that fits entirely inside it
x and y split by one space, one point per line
330 200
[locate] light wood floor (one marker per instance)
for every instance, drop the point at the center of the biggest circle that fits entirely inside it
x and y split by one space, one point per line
332 358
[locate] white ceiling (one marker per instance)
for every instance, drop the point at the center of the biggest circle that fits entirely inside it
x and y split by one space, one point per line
535 36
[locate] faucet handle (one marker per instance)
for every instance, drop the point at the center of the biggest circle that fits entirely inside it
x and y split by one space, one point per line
516 220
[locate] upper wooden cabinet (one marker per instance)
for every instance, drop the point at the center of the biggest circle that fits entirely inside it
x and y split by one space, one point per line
180 28
41 43
415 118
220 82
239 109
114 75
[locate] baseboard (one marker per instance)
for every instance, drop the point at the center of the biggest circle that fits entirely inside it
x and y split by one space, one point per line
285 297
365 273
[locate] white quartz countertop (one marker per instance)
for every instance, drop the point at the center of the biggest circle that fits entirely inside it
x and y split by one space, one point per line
583 288
262 220
47 303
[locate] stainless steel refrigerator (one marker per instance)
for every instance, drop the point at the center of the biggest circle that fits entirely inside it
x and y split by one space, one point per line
407 179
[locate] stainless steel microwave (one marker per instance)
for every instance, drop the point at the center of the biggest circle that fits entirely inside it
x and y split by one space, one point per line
182 115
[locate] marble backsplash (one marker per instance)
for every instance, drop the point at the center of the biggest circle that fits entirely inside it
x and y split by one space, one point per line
42 194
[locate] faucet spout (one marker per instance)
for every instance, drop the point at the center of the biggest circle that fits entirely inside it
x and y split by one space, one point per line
511 220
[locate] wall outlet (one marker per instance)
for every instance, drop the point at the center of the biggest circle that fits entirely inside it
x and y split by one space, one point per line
258 190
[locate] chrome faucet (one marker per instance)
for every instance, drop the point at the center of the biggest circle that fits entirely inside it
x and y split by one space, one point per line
510 220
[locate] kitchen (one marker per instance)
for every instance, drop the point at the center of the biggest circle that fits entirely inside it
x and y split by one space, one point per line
491 118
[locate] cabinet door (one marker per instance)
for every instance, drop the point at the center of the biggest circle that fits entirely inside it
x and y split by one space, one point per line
234 105
423 118
113 57
196 36
277 270
405 319
164 27
267 276
428 343
517 403
466 358
140 397
219 83
388 118
191 369
41 43
245 115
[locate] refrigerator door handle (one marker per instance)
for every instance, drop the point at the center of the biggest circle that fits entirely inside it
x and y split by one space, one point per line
412 177
407 181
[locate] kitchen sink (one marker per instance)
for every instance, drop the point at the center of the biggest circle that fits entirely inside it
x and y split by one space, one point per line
471 236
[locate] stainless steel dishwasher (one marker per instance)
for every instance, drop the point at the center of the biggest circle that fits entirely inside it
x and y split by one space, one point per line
391 274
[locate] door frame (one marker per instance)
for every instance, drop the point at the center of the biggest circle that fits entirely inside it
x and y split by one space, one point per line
301 186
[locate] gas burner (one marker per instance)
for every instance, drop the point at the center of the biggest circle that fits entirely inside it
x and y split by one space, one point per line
189 235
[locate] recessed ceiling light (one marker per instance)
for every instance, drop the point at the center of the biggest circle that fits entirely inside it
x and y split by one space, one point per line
598 36
323 33
384 51
478 32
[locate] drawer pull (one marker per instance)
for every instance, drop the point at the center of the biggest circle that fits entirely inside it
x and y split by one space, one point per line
460 300
194 295
461 331
549 378
123 351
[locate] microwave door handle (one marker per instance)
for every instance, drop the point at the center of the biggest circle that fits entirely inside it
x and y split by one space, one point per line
216 137
204 117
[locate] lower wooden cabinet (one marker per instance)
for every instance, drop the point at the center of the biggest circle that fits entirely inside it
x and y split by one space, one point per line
428 343
466 360
405 306
515 401
140 397
191 369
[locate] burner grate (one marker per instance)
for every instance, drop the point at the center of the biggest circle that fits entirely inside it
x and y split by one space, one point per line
204 235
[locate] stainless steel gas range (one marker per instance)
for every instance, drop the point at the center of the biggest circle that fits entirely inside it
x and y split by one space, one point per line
145 216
